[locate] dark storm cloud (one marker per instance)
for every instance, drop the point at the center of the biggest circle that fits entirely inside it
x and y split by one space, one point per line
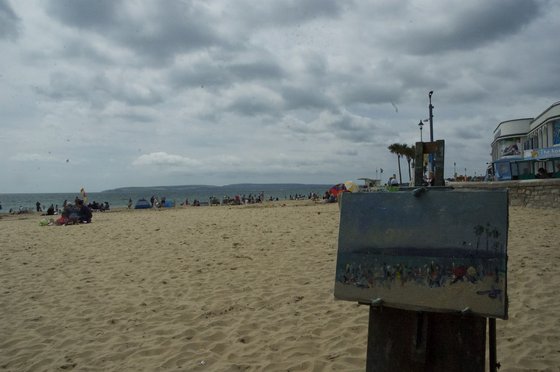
286 13
77 49
468 25
215 71
469 133
135 117
347 152
9 21
98 90
63 86
371 93
157 31
343 125
86 14
263 70
254 105
304 98
199 74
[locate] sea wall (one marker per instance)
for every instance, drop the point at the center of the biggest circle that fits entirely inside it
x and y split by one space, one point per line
543 193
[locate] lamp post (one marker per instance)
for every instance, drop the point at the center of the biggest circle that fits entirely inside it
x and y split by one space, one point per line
421 125
431 117
431 108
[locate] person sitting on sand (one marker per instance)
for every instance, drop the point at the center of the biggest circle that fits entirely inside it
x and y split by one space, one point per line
63 219
50 210
84 213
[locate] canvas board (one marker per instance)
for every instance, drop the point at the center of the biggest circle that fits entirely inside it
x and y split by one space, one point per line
440 251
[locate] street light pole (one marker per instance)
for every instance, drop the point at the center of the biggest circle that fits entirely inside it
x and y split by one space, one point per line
421 125
455 170
431 108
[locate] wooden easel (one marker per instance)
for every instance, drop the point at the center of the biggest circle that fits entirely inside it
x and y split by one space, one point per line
404 340
408 337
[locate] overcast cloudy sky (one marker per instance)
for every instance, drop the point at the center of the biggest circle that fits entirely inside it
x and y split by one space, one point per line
111 93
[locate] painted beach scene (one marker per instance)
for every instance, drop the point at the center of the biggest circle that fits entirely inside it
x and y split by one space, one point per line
441 250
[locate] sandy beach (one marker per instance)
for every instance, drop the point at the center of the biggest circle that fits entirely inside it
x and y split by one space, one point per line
247 288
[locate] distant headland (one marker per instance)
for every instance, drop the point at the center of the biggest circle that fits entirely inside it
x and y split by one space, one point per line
239 186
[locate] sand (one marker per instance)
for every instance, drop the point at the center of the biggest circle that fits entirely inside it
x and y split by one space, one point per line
226 289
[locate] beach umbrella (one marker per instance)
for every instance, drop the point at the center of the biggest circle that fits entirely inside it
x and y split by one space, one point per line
337 189
351 186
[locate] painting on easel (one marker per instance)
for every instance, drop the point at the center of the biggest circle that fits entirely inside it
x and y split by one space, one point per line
432 251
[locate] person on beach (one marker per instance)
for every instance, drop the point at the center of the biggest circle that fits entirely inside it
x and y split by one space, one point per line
50 210
64 218
38 206
430 179
542 173
129 203
84 213
84 195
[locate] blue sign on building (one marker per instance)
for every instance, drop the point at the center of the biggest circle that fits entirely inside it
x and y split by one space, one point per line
549 152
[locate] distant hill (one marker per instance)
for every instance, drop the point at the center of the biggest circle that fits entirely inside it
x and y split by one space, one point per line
252 187
162 188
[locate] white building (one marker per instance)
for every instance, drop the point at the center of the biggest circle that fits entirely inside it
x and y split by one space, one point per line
522 146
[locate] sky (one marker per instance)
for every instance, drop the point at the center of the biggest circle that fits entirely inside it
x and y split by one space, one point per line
113 93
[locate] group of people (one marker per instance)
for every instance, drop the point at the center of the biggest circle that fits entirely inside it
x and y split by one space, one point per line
310 196
100 207
71 214
242 199
393 181
157 203
75 213
428 180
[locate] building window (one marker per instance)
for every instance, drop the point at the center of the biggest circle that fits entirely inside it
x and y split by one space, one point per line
555 132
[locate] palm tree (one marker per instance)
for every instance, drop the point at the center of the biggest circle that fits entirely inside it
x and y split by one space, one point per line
488 235
409 153
495 234
397 149
478 231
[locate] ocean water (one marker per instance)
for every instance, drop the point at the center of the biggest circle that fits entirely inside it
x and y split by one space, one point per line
119 197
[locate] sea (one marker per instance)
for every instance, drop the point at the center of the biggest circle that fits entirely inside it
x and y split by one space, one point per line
119 197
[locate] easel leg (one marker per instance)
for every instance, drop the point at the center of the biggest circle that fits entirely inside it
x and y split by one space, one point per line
402 340
492 355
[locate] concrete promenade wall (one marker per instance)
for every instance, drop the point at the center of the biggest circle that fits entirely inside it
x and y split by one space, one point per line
538 193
